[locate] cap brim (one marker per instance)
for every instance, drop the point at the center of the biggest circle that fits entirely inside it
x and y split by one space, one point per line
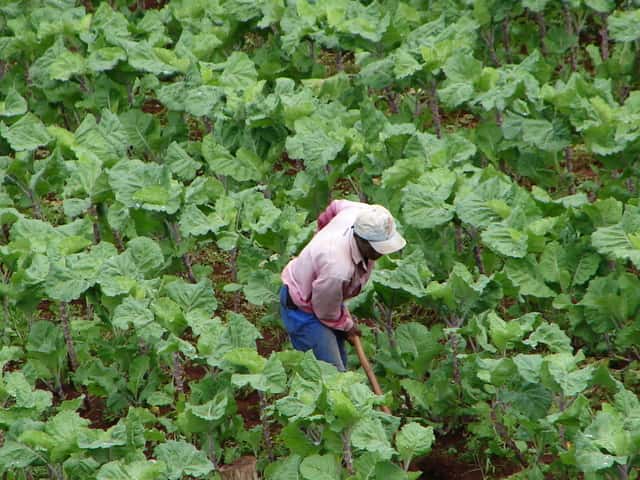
393 244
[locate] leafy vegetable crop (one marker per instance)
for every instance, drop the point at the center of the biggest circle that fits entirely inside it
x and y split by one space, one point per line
160 162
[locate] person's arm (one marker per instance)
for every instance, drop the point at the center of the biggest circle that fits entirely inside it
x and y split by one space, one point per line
327 303
332 210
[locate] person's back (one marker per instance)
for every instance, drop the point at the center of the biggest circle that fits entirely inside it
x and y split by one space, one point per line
332 267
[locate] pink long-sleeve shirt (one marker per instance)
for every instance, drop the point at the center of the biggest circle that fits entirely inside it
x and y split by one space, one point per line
330 268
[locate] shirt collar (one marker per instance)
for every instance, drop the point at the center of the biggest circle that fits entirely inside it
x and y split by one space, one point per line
356 256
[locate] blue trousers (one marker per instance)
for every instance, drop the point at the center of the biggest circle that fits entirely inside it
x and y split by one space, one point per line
308 333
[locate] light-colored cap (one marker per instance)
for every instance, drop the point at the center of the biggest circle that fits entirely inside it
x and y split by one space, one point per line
376 225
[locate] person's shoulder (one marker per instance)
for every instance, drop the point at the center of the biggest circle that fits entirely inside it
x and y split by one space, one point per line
333 256
343 204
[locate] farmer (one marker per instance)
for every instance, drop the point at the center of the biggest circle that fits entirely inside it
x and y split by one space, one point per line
332 267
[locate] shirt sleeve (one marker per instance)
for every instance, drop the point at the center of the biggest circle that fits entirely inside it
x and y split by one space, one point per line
327 302
332 210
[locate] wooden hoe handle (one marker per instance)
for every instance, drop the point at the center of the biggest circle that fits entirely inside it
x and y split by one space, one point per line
369 371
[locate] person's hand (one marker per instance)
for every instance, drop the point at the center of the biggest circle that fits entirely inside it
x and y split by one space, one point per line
352 333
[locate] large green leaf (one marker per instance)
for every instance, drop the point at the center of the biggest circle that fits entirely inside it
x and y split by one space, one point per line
244 166
239 72
106 140
194 222
463 293
45 338
414 439
476 204
105 58
132 312
140 470
144 185
119 275
589 458
271 379
13 104
28 133
621 241
14 455
506 241
24 395
624 25
551 335
180 162
143 56
526 275
146 254
197 101
182 458
562 369
66 65
316 142
369 435
284 469
193 296
320 467
424 202
409 274
64 429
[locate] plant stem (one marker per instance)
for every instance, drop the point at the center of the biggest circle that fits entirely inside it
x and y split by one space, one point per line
489 39
477 250
569 25
35 204
459 239
435 110
387 315
174 231
568 159
631 185
362 196
623 472
312 51
234 277
88 6
6 275
177 372
604 36
562 405
117 238
266 428
539 16
347 454
53 472
391 101
211 450
506 38
501 430
454 341
66 330
93 211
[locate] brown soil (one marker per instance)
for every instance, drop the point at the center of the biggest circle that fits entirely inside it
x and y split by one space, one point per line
249 408
456 119
442 464
152 106
272 341
192 373
147 5
44 307
94 411
290 166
